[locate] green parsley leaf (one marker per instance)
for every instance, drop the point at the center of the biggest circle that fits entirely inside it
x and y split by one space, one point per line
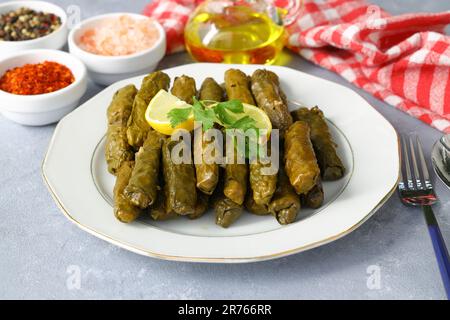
203 115
222 114
234 106
178 115
244 123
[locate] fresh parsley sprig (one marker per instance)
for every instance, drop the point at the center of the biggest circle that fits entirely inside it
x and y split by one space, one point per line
204 115
178 115
225 114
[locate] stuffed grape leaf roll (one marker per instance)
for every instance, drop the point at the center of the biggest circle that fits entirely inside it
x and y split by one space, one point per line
158 210
121 105
226 210
211 91
124 210
285 204
201 207
236 176
262 183
144 185
237 86
207 171
184 88
314 197
117 149
137 125
300 160
179 182
331 166
270 98
253 207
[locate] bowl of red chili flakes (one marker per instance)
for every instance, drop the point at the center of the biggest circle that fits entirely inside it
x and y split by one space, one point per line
39 87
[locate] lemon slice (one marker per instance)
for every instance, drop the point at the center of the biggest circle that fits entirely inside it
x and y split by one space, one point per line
262 121
158 108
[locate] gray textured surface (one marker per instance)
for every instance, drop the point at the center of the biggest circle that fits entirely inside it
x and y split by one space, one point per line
39 246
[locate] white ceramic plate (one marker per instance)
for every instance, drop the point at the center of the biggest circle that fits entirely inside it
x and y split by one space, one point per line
75 172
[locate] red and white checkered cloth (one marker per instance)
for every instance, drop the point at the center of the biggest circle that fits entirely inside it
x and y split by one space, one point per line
403 60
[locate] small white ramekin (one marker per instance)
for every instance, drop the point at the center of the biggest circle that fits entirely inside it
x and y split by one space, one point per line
54 40
42 109
106 70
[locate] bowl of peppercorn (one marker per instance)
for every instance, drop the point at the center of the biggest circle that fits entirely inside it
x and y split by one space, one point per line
40 86
28 25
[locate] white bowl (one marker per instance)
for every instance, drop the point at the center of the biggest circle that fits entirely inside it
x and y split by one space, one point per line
42 109
109 69
54 40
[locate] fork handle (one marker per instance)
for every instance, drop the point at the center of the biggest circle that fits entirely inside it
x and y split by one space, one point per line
440 249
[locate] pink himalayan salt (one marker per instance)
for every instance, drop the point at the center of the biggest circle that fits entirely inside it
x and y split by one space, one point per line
119 36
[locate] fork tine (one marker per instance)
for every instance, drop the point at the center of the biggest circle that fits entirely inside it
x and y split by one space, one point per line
415 166
407 165
423 164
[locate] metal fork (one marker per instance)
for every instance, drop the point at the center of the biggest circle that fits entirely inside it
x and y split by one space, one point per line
417 190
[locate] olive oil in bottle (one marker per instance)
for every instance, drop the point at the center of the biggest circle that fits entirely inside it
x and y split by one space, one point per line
238 34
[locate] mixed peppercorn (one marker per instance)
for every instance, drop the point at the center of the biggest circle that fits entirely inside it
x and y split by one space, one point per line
26 24
38 78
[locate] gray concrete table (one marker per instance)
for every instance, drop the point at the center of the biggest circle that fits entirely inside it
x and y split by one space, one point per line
389 257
